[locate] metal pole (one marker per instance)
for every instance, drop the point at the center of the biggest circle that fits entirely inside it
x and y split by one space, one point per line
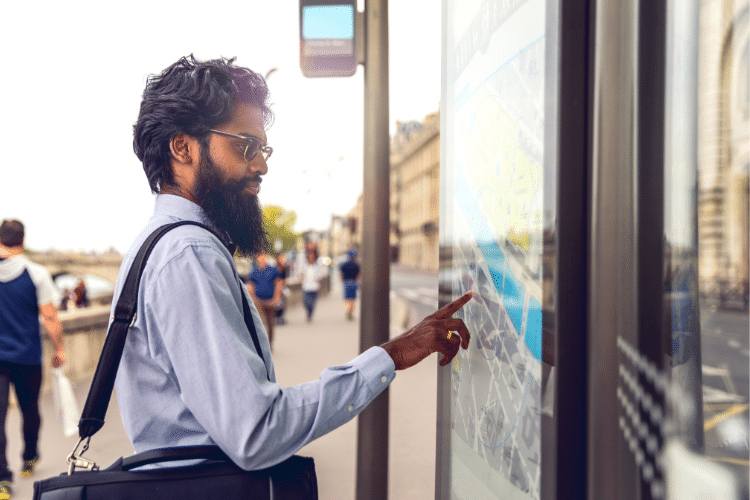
654 337
372 439
564 472
331 255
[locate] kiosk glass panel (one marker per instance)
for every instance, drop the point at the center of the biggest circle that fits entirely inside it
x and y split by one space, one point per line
498 177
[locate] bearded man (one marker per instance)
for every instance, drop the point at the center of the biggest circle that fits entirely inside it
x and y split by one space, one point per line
190 373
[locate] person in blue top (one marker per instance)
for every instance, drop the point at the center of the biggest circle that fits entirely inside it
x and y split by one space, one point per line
350 275
26 292
265 284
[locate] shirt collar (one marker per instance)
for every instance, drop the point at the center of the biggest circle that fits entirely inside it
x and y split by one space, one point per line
171 205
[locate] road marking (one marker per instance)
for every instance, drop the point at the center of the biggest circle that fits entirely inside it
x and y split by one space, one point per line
710 370
739 461
727 377
716 396
717 407
716 419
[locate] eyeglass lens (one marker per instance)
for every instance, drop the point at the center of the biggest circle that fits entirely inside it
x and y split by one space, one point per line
254 147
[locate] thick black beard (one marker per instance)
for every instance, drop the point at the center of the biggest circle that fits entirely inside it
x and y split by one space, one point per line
230 209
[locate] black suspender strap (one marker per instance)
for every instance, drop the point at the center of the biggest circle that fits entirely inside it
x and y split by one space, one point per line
100 393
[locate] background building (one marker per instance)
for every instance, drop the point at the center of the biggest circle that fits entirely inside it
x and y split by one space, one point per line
414 198
342 233
355 225
415 192
723 149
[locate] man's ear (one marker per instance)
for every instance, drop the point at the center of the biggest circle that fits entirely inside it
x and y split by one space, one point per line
184 148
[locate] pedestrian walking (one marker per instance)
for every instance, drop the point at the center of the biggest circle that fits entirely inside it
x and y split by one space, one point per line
65 299
264 285
311 274
81 294
283 269
192 371
350 277
26 291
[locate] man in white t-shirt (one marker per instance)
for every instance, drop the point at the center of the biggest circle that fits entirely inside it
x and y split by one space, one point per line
26 291
311 274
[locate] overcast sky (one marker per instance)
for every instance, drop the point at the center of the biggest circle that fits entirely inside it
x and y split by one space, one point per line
73 78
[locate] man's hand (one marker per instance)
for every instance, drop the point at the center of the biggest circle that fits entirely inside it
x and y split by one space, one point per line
431 335
58 359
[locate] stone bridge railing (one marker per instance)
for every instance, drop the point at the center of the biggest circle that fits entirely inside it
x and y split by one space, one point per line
106 266
85 330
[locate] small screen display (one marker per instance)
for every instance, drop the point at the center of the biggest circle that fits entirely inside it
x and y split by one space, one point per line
328 22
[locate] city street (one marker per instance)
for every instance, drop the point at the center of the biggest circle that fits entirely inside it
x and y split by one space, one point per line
417 287
724 347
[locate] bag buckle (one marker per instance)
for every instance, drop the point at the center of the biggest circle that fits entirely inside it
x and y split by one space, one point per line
113 318
77 461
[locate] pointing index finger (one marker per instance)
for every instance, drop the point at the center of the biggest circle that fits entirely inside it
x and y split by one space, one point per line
448 310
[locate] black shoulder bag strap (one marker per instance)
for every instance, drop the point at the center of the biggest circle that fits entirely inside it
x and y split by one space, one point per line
92 417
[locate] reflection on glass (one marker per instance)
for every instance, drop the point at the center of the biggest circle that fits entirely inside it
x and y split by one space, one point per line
706 262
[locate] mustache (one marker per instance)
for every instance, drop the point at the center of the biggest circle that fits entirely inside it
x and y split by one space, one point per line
241 184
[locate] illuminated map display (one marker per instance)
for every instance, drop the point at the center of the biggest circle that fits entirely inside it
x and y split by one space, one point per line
493 98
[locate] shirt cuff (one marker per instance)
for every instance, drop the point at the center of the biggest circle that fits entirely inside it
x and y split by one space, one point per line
377 367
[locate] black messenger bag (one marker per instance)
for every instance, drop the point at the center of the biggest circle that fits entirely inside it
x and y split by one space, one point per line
218 478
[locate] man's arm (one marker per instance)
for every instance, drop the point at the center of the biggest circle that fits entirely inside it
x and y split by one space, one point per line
54 330
199 320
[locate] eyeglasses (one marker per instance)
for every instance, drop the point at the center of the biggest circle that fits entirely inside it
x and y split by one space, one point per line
252 145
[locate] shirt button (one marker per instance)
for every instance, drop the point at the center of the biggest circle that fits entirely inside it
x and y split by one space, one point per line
384 379
351 408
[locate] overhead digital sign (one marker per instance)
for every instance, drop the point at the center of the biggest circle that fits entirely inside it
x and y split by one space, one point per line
327 38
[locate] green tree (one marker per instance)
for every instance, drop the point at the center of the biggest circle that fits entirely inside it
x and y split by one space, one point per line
279 223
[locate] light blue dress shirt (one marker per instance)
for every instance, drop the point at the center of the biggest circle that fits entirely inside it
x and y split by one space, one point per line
190 374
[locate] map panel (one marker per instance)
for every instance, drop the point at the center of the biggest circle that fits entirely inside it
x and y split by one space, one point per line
494 181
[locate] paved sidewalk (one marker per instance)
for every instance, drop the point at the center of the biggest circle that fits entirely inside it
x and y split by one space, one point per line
301 352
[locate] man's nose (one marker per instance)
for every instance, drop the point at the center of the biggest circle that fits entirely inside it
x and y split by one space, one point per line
259 165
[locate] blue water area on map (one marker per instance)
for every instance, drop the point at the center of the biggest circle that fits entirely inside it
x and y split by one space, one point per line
513 295
495 262
507 286
533 336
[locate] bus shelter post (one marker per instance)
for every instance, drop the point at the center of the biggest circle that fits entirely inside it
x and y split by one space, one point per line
372 431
